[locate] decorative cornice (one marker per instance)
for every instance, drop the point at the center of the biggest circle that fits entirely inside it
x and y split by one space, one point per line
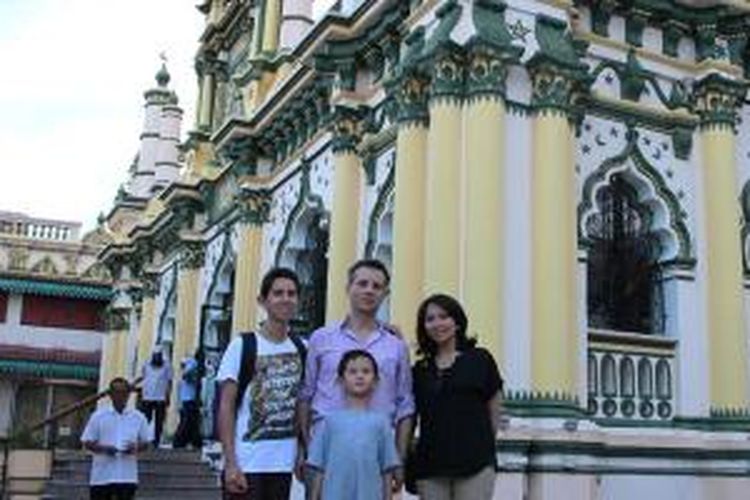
254 206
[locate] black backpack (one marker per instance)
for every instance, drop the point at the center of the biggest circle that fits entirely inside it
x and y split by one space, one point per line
249 355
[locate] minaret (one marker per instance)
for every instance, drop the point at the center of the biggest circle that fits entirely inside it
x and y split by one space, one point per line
167 167
157 161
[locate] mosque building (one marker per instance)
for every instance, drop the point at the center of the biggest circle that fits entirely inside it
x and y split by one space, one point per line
576 172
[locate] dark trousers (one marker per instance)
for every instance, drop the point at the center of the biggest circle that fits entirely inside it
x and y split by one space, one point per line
189 429
264 486
113 491
149 408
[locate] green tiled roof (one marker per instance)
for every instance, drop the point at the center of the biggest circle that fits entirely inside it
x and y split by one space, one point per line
48 370
56 289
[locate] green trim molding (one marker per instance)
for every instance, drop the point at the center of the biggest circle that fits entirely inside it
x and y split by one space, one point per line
56 289
36 369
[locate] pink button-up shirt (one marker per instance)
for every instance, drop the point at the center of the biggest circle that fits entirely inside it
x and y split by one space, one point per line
322 389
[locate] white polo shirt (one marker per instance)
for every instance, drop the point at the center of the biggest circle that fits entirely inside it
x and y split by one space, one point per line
109 428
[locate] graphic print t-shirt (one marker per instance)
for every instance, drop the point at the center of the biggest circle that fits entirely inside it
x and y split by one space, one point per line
264 429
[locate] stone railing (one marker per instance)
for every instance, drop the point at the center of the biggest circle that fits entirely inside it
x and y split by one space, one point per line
631 376
21 226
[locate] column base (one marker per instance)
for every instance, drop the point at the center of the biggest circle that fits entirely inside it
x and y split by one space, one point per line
543 405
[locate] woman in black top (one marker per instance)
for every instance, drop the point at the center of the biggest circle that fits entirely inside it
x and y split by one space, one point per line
457 389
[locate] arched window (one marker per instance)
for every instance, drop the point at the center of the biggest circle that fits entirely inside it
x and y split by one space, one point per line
312 267
624 279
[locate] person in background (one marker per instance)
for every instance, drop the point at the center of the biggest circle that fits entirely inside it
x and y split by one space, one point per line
453 373
155 392
353 455
115 435
321 393
189 430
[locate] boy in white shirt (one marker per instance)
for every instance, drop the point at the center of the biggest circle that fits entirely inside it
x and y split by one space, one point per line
115 435
260 375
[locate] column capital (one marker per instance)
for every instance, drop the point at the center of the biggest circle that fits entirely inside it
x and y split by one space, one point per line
448 71
490 51
117 319
192 255
150 284
410 94
552 89
486 74
254 206
556 69
347 129
717 101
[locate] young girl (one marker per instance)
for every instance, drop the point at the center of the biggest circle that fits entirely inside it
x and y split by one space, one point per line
353 453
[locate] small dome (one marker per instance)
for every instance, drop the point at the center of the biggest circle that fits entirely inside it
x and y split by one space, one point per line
162 77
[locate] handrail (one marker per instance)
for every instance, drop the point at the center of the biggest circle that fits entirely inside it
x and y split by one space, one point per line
72 408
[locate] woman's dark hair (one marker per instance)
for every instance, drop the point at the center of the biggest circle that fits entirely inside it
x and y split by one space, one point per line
274 274
350 356
427 346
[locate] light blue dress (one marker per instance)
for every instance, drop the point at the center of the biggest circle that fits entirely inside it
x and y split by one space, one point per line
353 449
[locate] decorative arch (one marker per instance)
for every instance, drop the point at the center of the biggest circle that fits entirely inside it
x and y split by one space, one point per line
745 231
380 227
216 310
303 247
667 215
166 324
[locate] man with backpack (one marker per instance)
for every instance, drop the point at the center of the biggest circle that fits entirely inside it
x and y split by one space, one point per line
260 376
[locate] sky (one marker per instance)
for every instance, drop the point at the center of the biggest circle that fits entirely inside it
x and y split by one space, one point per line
71 96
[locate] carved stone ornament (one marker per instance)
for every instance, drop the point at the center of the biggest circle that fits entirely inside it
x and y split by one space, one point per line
254 205
411 96
192 255
150 284
346 129
117 319
717 99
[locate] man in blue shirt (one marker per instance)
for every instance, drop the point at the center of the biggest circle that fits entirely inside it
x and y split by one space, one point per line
189 432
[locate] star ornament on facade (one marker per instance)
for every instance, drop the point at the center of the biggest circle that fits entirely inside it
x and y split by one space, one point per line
518 30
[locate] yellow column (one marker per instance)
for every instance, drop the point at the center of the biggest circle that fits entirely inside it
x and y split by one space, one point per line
347 181
186 320
483 279
727 341
147 325
114 348
254 208
271 25
409 206
553 211
106 363
443 193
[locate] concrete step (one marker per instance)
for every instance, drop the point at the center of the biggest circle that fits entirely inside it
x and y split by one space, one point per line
163 474
80 492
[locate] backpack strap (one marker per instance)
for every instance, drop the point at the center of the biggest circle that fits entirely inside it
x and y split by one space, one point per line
247 365
301 350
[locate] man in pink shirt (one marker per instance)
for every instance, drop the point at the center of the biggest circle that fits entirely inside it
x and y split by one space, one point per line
321 392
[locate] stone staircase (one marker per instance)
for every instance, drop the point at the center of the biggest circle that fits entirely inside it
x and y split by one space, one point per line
163 474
